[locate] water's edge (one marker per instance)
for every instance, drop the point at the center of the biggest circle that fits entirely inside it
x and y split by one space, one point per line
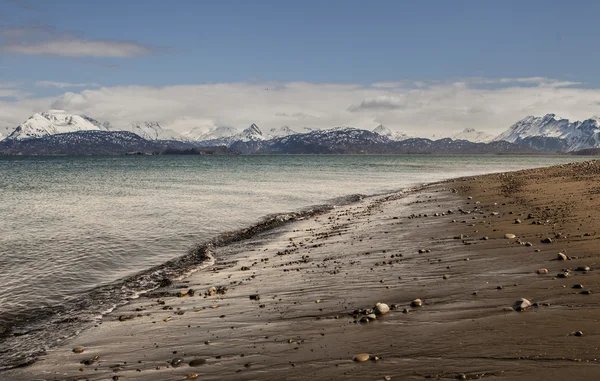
72 317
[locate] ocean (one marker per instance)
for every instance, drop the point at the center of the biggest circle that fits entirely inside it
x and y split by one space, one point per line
81 235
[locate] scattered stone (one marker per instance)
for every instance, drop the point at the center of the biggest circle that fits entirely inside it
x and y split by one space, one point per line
381 309
583 268
89 361
78 349
522 304
547 240
197 362
561 257
517 221
564 274
446 276
245 268
192 376
542 271
528 244
585 292
577 286
509 236
177 361
362 357
254 297
125 317
416 303
182 293
578 334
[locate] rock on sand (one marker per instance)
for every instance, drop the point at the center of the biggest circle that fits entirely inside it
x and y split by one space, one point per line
381 309
522 304
361 357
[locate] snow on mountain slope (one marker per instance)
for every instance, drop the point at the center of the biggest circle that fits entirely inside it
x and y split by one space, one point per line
287 131
154 131
252 133
54 122
548 126
578 135
396 136
216 132
472 135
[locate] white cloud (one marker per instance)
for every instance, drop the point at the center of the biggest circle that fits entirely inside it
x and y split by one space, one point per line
48 41
419 108
63 85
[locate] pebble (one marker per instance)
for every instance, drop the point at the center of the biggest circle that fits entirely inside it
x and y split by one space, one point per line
517 221
542 271
577 286
561 257
416 303
192 376
583 268
445 276
361 357
78 349
176 361
381 309
578 333
509 236
585 292
521 304
547 240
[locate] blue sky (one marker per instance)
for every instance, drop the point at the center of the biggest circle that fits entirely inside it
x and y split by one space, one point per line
317 41
45 46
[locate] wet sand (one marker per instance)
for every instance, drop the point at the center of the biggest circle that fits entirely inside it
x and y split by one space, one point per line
311 275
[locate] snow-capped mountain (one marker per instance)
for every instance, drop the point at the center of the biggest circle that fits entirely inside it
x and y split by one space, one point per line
287 131
252 133
54 122
472 135
154 131
539 130
396 136
216 132
330 141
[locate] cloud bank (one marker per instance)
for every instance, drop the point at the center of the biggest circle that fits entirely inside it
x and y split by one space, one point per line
421 108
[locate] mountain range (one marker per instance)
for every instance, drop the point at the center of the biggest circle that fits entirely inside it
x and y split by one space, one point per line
58 132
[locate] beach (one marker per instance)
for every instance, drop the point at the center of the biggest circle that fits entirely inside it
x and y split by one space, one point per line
288 303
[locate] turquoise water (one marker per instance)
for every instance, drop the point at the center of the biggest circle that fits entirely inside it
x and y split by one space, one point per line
72 225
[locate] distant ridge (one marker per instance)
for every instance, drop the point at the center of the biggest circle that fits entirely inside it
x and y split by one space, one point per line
58 132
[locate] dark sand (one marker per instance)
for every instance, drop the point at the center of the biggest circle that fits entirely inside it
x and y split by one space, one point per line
321 269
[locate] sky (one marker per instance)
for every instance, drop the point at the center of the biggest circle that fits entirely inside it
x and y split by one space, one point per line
418 67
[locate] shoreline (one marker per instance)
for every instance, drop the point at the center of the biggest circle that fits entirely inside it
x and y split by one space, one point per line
344 271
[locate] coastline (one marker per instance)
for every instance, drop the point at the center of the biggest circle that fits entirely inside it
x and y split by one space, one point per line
304 328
